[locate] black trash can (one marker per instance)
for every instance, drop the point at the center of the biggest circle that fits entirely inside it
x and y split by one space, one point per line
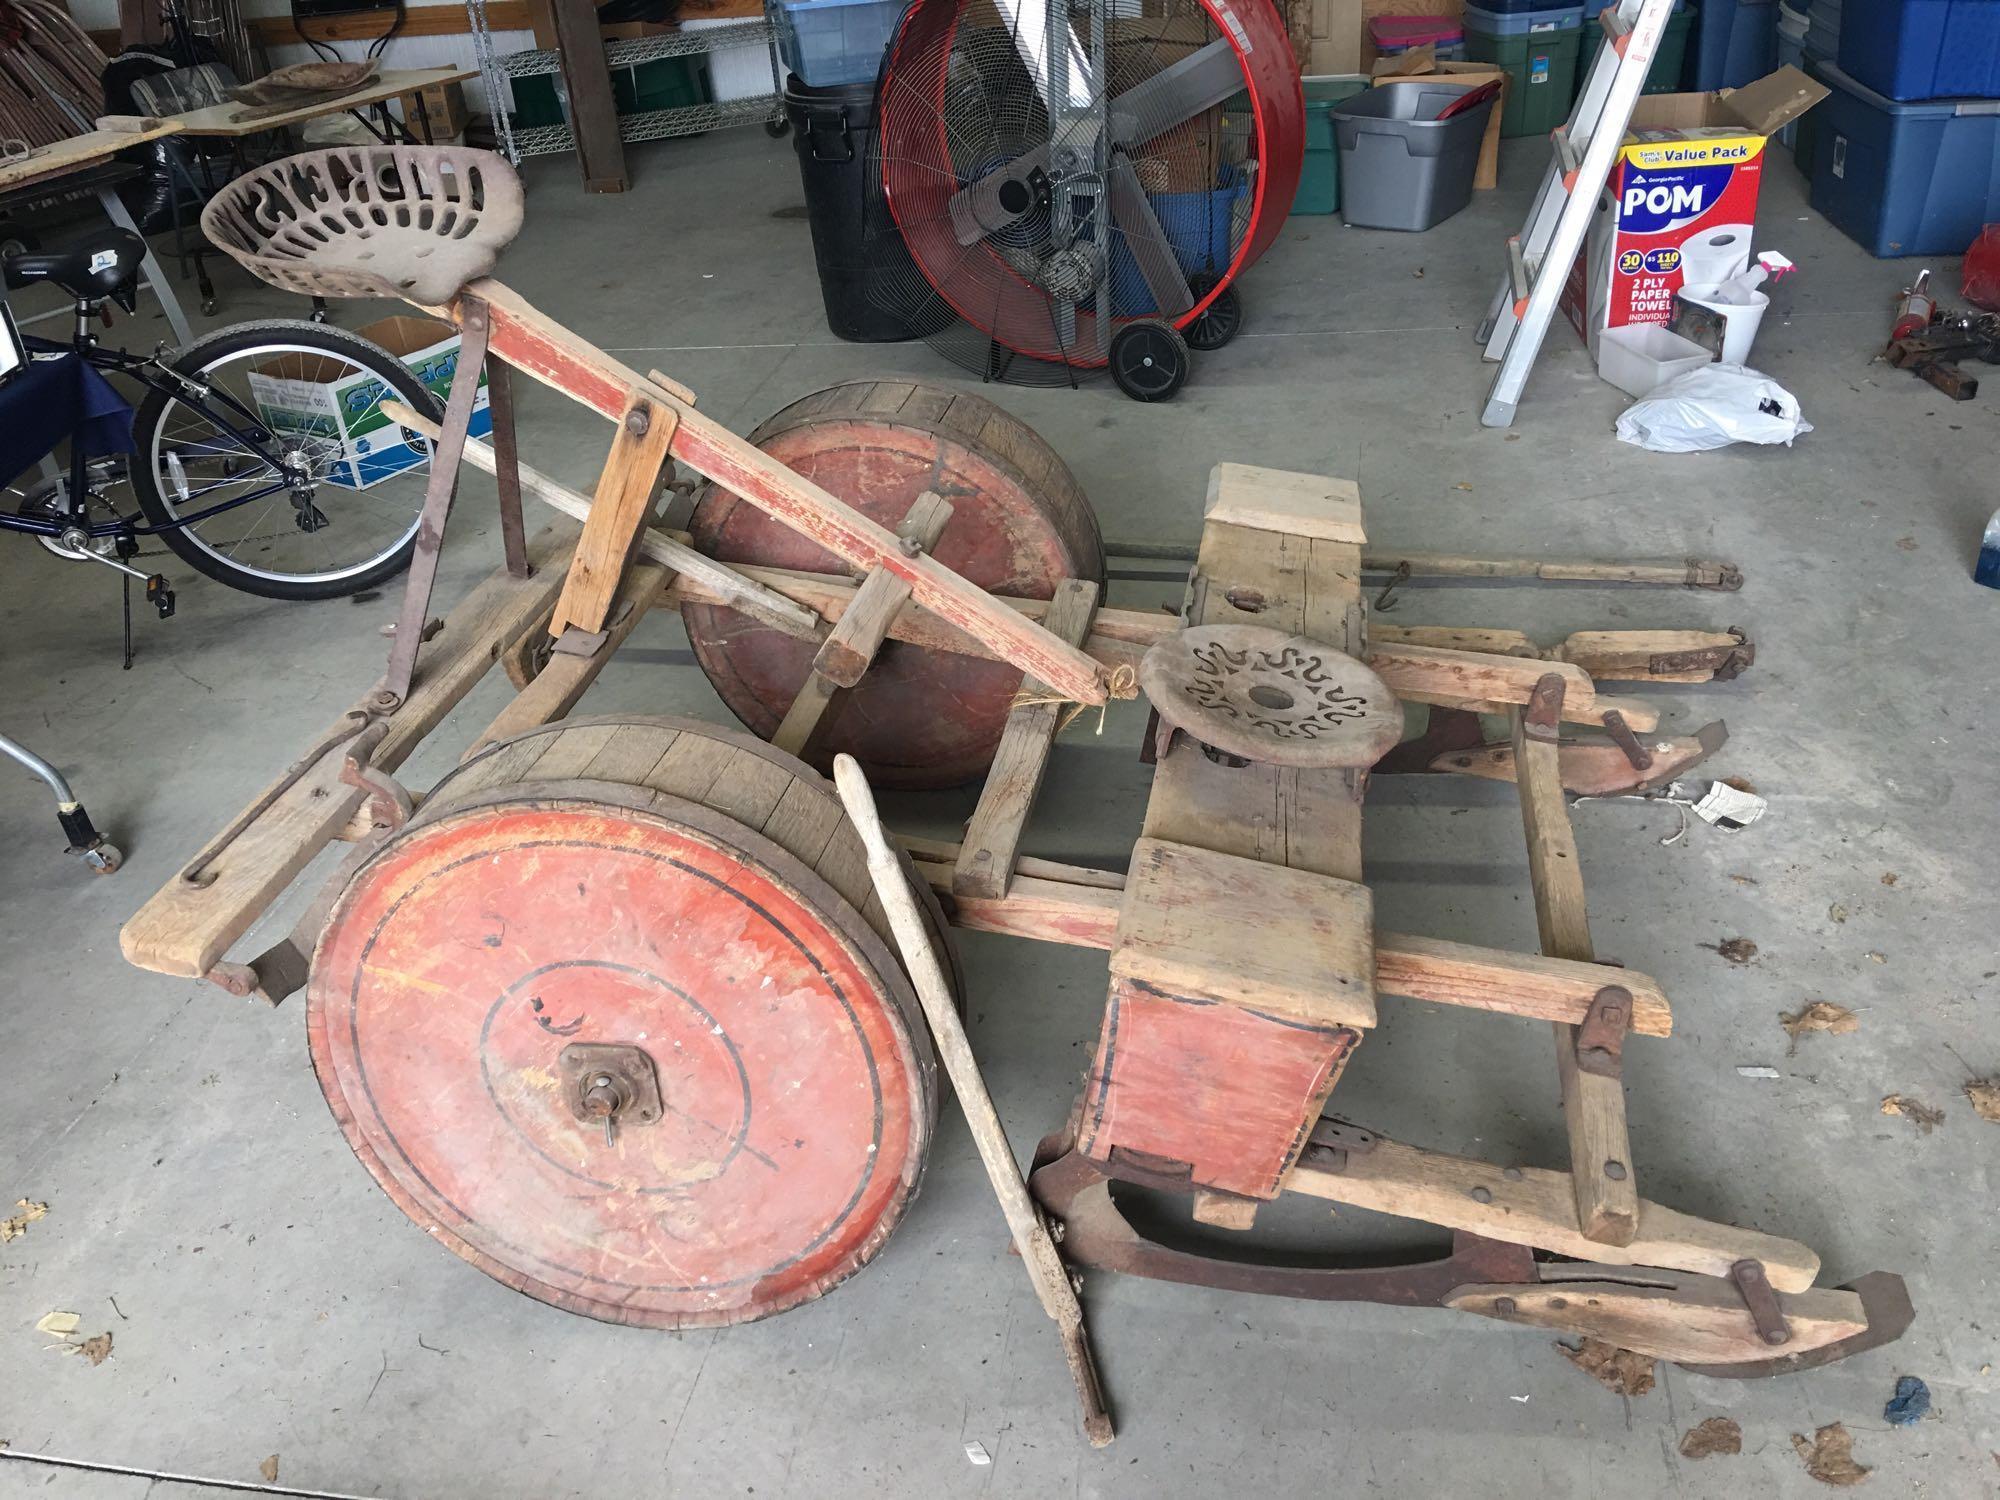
873 291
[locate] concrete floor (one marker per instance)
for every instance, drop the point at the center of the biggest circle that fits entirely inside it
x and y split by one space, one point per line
266 1298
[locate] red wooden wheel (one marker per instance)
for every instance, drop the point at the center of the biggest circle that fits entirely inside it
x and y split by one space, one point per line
522 918
1020 525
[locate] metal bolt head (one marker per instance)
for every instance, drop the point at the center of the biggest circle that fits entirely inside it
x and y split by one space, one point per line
1482 1195
910 545
1504 1306
1615 1170
638 420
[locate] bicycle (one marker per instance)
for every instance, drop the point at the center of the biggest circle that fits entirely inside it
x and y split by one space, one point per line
231 467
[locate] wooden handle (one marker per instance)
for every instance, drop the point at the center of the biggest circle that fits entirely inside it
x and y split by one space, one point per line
1031 1236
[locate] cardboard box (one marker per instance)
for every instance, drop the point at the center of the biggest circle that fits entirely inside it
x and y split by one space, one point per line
444 109
1419 62
306 394
1681 203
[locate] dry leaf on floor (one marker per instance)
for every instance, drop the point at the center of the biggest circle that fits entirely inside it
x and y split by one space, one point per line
17 1225
1829 1456
1716 1435
1736 950
59 1324
1742 784
1821 1015
1984 1093
1888 877
1837 912
1915 1111
1616 1369
96 1348
269 1469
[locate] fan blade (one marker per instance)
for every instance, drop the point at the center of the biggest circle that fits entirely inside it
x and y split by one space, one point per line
1198 82
1132 212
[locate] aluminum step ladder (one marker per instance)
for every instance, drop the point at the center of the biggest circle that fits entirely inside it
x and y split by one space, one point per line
1518 317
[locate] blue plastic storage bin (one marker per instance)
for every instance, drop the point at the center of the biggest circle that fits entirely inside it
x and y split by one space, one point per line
1905 179
1199 226
831 42
1523 22
1736 42
1923 49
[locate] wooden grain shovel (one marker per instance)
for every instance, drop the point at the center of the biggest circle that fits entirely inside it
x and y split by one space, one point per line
1031 1235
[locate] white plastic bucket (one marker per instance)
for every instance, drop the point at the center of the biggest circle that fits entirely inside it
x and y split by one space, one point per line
1741 320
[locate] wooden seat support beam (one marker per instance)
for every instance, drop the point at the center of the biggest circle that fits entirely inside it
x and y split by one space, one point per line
1600 1146
624 496
532 342
993 836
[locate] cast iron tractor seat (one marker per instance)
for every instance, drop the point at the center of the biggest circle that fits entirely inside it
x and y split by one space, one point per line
1252 694
410 222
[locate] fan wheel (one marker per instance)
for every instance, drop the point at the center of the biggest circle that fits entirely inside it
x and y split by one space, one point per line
1150 360
1216 324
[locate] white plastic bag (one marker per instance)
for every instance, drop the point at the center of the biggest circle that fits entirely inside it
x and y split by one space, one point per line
1713 407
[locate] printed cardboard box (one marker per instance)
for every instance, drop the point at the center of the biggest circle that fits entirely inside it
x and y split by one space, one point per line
303 393
1681 204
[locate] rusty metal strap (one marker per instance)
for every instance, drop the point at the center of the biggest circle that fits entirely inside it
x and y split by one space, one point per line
446 456
1724 662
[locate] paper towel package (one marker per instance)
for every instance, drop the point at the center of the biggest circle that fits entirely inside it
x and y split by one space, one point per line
1681 205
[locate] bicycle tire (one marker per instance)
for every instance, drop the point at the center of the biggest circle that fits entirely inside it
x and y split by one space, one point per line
235 339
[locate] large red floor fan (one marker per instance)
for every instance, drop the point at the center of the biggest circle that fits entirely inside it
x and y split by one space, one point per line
1078 185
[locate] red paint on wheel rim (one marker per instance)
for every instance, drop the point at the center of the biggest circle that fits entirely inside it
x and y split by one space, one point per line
464 957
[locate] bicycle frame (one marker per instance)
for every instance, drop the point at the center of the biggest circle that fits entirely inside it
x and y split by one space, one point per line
150 371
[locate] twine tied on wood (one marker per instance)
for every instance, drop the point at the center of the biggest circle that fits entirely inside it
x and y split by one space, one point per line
1122 683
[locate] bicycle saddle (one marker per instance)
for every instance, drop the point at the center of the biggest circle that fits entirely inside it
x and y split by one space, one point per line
104 265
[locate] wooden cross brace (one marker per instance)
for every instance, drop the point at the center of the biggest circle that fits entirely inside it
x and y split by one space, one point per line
844 655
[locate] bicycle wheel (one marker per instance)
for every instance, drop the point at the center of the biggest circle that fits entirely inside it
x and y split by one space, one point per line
323 494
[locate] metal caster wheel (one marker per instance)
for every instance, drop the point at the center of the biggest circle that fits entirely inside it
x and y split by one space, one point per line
777 130
104 859
1149 360
1219 322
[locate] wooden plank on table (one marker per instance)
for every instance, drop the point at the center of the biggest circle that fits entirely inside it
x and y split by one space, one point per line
617 515
188 925
695 575
1014 780
1284 942
557 687
1304 505
1535 1206
533 343
1600 1146
1700 1322
843 657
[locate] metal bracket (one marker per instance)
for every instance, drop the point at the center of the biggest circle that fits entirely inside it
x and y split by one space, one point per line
1542 718
1755 1288
1600 1037
1725 663
1636 754
389 804
609 1084
1333 1142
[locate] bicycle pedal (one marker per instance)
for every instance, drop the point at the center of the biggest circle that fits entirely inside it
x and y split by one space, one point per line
160 596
